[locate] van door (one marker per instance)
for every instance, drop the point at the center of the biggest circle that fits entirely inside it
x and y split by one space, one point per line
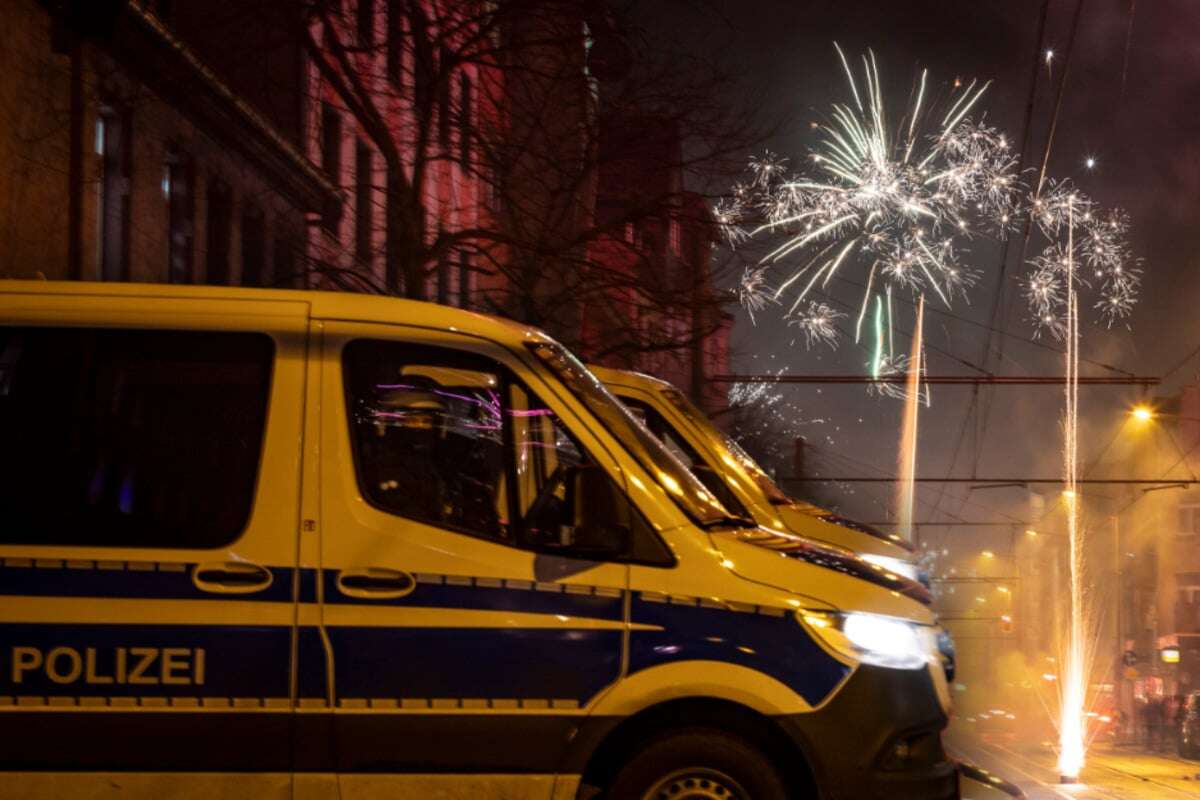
149 492
469 633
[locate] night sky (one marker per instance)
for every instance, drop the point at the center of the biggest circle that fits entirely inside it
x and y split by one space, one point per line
1131 109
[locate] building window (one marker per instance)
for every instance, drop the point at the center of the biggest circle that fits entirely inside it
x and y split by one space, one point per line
1189 520
366 23
219 224
331 142
135 438
331 152
254 248
443 280
114 131
444 112
284 270
362 203
395 45
465 132
464 280
179 184
422 57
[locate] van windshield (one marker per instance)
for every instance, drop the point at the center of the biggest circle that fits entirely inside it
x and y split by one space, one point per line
728 449
681 486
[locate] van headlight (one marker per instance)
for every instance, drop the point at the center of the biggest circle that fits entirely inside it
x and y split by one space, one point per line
873 639
899 566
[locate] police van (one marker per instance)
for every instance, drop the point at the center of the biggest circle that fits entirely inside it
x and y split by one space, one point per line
736 479
318 545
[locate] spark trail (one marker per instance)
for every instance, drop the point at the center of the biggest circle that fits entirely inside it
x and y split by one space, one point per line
906 486
1074 683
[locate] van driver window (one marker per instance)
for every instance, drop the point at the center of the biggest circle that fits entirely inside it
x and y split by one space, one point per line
546 460
428 434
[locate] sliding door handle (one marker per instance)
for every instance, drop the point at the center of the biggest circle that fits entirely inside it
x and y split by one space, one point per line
379 583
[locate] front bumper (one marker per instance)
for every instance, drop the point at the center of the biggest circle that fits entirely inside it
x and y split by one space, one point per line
878 737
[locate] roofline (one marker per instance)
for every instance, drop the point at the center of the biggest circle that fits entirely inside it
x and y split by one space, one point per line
349 306
144 45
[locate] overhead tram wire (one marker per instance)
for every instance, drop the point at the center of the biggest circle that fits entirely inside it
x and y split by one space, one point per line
1003 333
862 465
985 411
973 410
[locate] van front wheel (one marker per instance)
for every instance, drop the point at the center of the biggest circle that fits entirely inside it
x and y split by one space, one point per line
698 764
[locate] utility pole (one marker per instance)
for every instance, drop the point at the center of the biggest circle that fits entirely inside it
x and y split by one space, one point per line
1119 681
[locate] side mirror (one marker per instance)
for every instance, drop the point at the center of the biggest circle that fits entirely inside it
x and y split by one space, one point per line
600 520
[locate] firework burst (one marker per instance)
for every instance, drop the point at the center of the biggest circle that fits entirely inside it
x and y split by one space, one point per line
753 292
818 323
896 203
1094 256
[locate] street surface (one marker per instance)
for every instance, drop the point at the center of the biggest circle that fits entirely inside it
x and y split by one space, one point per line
1112 772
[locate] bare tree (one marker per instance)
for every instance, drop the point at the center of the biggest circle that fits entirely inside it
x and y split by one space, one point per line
541 146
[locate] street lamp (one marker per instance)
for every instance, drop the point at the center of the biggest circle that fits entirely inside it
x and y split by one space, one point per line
1142 413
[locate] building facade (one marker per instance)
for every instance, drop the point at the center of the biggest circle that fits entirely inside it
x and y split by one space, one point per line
128 157
417 147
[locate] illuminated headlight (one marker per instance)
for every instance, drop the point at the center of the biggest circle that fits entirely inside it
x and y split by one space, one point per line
874 639
897 565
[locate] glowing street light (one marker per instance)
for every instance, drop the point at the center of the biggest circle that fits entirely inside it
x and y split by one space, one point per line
1142 413
988 554
1031 533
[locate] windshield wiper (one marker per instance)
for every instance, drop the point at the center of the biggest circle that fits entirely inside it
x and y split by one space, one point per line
729 522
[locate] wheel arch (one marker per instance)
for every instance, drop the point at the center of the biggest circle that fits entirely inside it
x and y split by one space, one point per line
605 757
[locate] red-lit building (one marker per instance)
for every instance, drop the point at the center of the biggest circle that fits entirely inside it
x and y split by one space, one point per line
182 141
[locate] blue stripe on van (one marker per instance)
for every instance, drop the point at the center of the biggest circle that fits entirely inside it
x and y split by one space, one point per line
147 584
490 598
153 584
774 645
514 663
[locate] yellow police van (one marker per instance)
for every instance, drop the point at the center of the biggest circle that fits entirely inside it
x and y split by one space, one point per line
278 544
736 479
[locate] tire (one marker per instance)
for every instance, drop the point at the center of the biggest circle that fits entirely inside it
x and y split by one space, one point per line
698 764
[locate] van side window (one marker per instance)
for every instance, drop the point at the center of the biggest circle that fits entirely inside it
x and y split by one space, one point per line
428 434
687 455
132 438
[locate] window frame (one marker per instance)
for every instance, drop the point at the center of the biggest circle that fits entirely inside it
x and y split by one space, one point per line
1192 510
507 378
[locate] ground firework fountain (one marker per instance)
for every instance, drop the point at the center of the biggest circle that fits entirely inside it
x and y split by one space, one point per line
1093 255
1075 670
906 485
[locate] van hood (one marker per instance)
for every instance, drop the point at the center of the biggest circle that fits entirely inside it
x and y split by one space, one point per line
821 526
804 567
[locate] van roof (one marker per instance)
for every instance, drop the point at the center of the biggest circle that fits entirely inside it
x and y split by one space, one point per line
349 306
628 377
